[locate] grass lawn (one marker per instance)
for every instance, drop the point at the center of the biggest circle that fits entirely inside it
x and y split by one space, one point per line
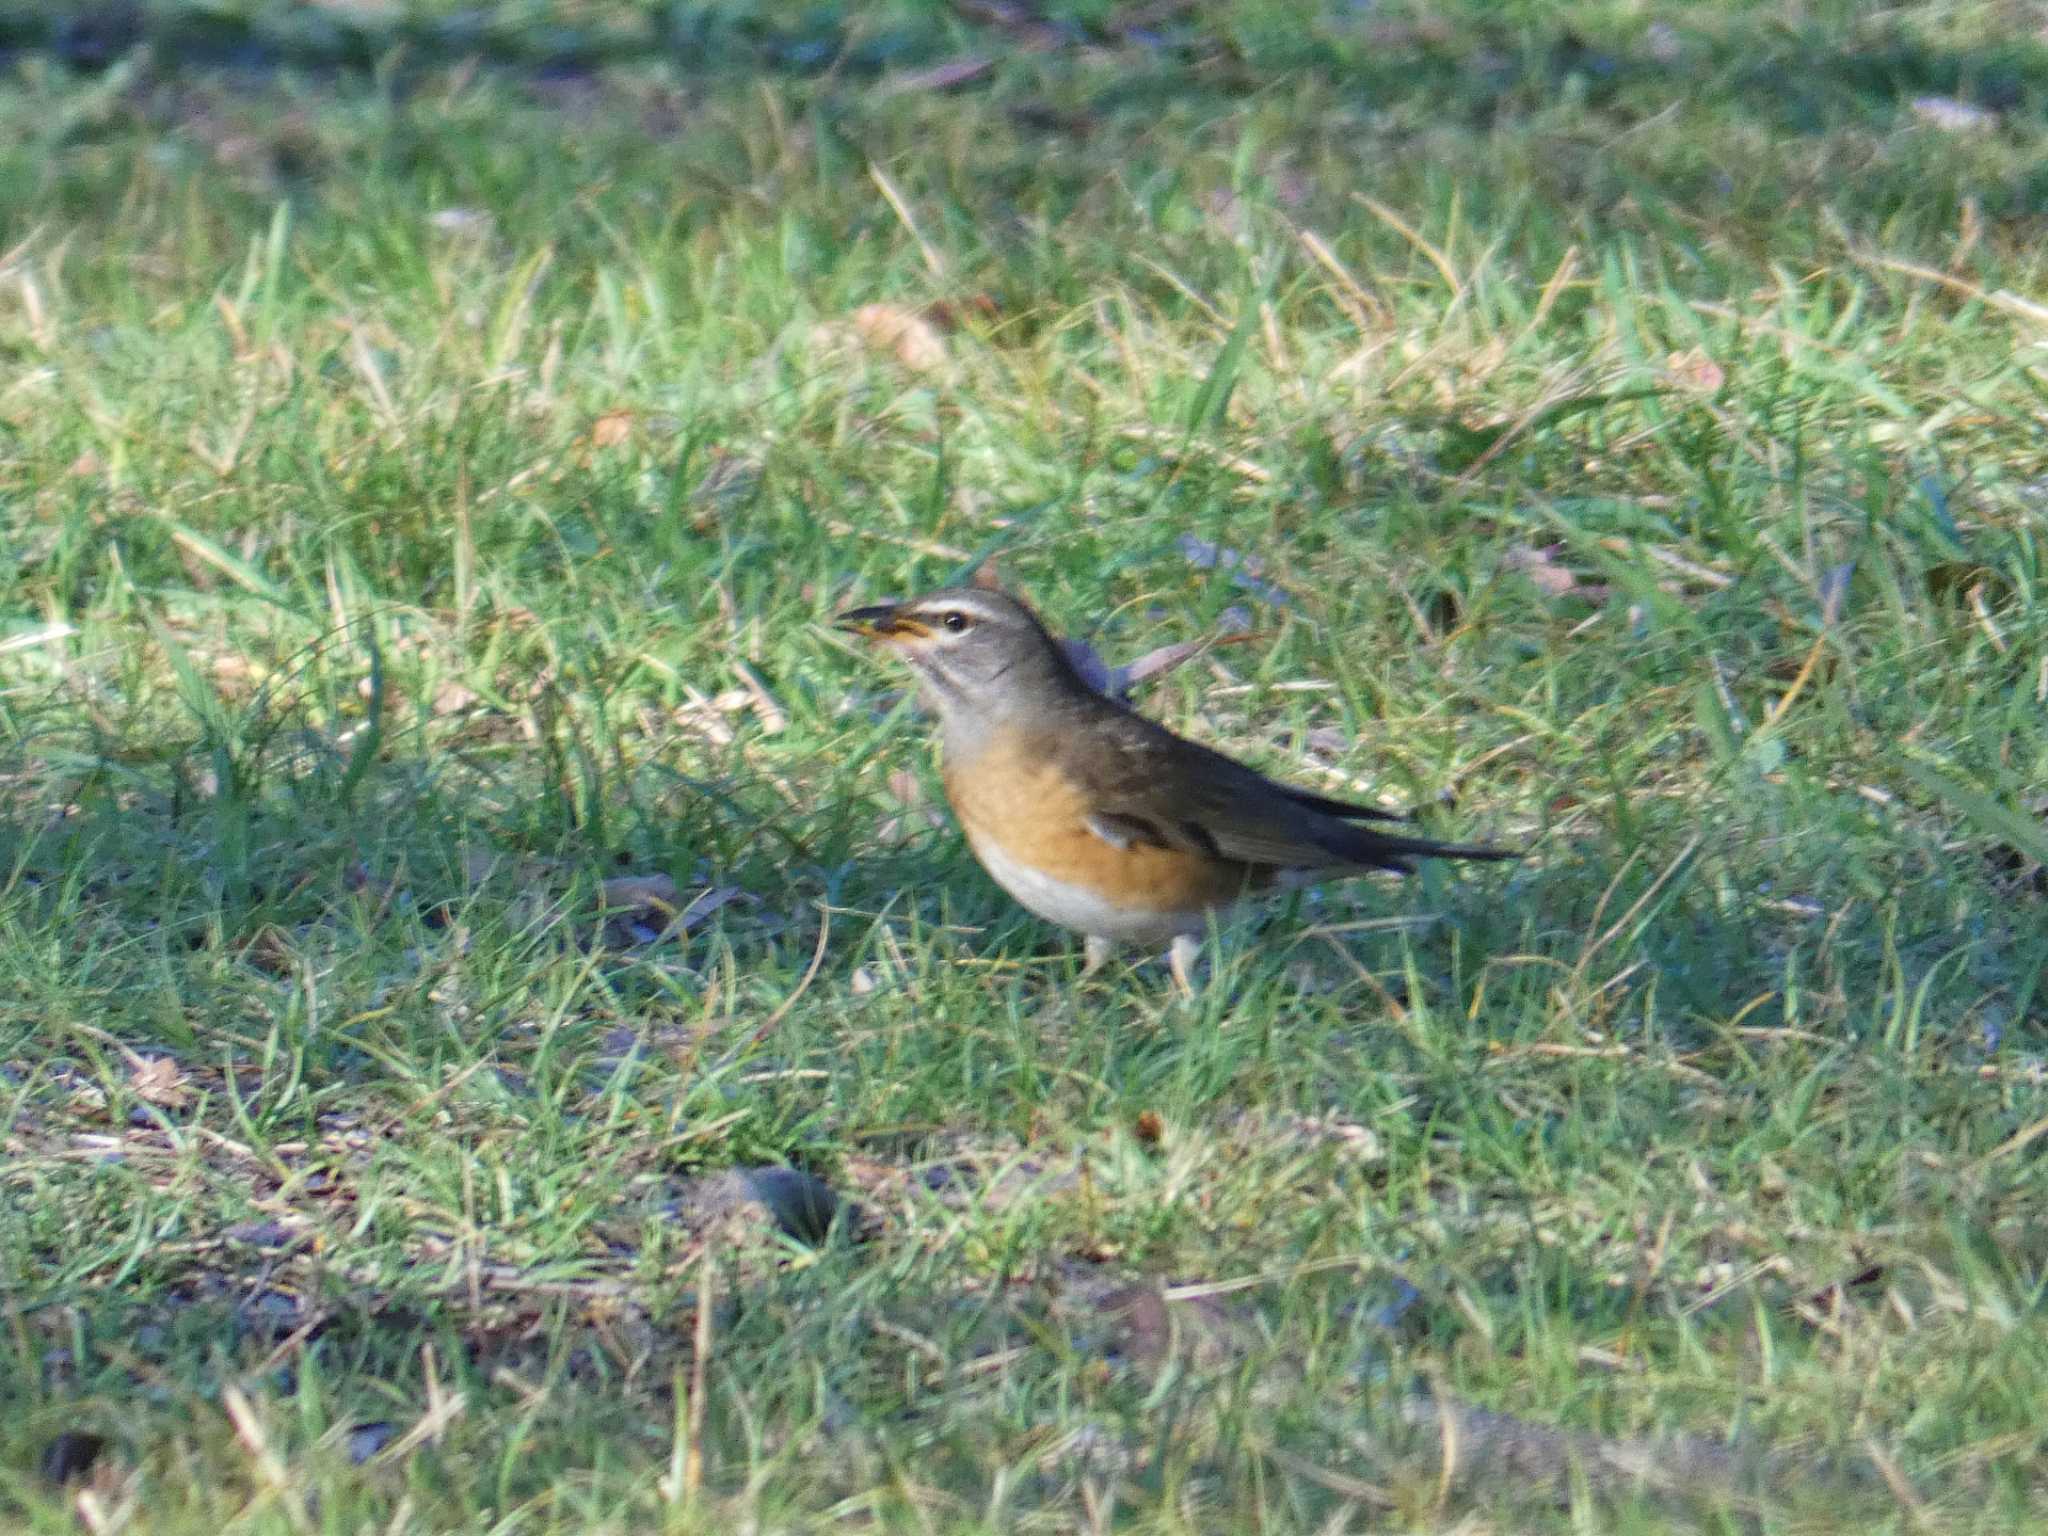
461 905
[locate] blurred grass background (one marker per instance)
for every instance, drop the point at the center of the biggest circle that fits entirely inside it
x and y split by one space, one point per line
453 884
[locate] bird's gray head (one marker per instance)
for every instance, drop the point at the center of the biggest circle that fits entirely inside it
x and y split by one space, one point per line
979 654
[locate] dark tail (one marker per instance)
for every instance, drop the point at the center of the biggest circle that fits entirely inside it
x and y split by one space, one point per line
1343 810
1373 849
1380 850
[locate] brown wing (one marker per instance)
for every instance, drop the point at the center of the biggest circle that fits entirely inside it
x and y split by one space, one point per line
1150 786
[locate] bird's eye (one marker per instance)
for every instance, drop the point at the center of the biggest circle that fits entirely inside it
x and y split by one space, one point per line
955 621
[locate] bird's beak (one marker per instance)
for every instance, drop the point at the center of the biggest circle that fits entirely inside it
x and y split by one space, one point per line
883 621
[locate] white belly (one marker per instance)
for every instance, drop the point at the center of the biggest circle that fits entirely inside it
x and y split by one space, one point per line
1079 908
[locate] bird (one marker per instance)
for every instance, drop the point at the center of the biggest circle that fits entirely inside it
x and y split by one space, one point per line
1096 818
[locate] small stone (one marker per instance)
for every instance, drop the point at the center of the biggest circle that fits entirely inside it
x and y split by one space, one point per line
366 1440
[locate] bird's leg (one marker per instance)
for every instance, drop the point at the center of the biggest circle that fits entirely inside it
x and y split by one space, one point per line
1181 960
1095 952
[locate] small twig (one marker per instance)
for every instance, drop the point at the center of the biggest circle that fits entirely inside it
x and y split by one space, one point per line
817 959
1356 1261
1414 237
910 1338
1447 1429
773 718
1895 1479
1799 681
1393 1004
270 1468
290 1345
934 263
2017 1142
1340 1483
1367 308
1656 885
443 1408
1984 620
693 1447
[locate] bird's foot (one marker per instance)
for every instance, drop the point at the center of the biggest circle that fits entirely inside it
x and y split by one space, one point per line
1181 960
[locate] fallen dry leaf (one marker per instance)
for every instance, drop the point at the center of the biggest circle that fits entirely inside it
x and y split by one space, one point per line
1541 567
451 698
159 1080
705 717
611 429
910 338
1696 372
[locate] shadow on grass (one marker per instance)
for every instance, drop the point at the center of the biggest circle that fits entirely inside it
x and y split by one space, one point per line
259 847
1791 78
821 1378
852 1358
